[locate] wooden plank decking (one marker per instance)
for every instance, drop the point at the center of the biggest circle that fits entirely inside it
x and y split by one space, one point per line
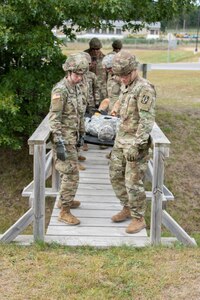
98 204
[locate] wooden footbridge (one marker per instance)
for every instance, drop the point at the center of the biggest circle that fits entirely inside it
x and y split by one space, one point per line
98 201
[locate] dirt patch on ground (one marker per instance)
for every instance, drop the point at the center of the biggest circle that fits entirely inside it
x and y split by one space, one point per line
190 289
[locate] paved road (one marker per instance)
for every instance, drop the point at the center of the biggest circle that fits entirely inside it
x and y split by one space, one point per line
175 66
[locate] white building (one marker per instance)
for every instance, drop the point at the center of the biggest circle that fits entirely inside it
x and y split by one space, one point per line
150 31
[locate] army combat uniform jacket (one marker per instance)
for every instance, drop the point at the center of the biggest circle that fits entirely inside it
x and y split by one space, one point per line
97 68
137 113
94 96
113 90
66 113
67 123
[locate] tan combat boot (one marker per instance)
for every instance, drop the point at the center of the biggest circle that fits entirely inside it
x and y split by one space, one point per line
124 214
66 217
74 204
81 167
136 225
85 147
82 158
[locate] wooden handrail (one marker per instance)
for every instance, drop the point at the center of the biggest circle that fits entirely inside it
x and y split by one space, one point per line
41 134
158 138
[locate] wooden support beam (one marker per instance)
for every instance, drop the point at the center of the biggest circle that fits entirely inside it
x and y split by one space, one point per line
99 242
48 165
177 230
157 195
18 227
144 70
39 192
48 171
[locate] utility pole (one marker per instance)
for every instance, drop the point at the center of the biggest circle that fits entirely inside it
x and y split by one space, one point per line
197 38
184 25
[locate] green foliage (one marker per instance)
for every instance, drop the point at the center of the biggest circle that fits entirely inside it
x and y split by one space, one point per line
31 58
98 13
24 101
183 21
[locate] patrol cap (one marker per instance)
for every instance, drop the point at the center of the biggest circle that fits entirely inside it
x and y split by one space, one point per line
95 43
124 63
117 44
107 61
76 63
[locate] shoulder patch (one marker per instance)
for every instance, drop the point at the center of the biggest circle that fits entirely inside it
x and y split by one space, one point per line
56 102
56 96
145 100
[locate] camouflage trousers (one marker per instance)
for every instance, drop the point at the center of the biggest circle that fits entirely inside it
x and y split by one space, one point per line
127 180
69 175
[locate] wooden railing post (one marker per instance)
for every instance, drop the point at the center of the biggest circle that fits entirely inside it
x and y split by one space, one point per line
157 195
39 192
144 70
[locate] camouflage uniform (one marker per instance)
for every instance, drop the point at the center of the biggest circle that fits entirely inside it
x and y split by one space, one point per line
96 66
113 90
137 114
84 87
117 46
90 92
113 82
94 96
66 120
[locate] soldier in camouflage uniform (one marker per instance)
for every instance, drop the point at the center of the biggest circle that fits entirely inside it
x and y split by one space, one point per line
96 65
130 153
84 87
117 46
93 97
113 84
93 100
66 122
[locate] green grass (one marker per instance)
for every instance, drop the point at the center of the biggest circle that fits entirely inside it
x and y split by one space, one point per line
56 272
163 56
176 89
143 54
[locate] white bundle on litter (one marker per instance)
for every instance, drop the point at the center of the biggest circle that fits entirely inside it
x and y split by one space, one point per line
101 126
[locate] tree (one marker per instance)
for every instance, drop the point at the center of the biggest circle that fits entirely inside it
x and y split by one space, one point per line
30 60
31 57
183 21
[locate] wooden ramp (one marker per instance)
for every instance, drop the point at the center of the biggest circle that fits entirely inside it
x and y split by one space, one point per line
98 204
